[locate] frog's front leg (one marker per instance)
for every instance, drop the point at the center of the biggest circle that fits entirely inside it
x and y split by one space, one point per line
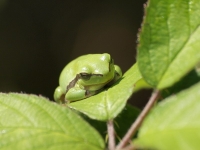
59 95
77 93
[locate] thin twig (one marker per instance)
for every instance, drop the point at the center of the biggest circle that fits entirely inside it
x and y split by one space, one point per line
131 132
111 135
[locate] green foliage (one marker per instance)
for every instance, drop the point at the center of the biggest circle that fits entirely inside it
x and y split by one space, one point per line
167 60
174 123
168 51
31 122
169 41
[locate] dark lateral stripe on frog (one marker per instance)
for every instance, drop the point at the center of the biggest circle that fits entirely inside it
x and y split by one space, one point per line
78 76
73 82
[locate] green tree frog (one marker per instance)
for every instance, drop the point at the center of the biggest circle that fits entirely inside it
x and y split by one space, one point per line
85 76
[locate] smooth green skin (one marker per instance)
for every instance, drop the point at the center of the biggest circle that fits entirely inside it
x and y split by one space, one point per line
85 76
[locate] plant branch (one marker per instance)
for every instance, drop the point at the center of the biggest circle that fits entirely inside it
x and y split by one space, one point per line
111 135
134 127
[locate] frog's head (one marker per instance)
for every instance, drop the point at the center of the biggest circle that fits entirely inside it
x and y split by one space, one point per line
95 71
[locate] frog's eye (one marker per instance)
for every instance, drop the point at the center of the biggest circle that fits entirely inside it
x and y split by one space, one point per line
85 76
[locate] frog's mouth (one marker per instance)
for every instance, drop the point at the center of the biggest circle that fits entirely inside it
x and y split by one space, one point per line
92 87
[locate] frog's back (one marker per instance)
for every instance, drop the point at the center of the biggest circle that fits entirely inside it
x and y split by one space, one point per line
81 64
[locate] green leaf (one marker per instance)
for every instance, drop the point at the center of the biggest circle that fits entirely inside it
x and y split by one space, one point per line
31 122
174 123
109 103
169 44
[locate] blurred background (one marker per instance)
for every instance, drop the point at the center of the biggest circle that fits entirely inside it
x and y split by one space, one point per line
39 37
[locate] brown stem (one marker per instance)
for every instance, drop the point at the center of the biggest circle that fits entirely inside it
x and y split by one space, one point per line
134 127
111 135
